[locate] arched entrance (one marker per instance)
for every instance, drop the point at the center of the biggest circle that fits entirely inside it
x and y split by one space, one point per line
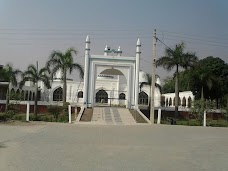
102 97
111 63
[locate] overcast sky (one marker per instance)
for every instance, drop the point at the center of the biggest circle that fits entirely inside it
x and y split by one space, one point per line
30 30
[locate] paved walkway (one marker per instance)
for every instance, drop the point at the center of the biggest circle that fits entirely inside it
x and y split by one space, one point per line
58 147
112 116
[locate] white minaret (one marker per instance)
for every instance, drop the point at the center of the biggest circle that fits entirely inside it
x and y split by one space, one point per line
137 65
119 52
86 73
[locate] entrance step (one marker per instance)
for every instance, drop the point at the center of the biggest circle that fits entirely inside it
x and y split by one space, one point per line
112 116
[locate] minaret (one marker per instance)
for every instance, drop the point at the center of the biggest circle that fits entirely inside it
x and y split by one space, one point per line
119 52
86 73
106 50
137 65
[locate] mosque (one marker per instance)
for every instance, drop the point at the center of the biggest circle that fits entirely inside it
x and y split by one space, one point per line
110 79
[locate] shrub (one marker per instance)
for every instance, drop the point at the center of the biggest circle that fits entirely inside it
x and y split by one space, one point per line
65 107
55 110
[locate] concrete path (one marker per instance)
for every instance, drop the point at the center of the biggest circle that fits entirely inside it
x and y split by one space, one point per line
112 116
58 147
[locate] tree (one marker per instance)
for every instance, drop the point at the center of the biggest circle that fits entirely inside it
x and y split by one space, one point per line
209 79
65 63
35 75
9 74
177 58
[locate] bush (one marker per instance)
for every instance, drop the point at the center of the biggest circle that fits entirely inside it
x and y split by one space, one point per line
55 110
217 123
65 108
63 118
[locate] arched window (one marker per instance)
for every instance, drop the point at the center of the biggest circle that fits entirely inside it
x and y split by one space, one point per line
30 96
189 102
184 102
26 95
143 98
167 102
58 94
33 96
122 96
102 96
170 102
80 94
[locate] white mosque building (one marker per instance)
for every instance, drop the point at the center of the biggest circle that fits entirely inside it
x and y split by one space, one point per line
110 79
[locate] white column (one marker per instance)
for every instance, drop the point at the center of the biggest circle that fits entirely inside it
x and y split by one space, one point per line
129 89
86 73
204 119
27 113
137 65
69 112
118 89
159 116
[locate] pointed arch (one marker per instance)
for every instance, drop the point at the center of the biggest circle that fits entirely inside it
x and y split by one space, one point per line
30 96
102 96
184 102
122 96
143 98
80 94
189 102
170 101
58 94
27 95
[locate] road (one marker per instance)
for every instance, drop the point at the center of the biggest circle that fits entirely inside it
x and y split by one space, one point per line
58 146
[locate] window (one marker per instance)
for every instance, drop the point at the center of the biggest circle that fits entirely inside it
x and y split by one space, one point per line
58 94
80 94
122 96
143 98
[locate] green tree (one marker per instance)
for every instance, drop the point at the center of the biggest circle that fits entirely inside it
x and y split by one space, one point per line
9 74
65 63
177 58
209 79
34 74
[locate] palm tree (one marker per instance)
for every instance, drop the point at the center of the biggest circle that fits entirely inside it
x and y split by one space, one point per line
148 82
10 75
177 58
65 63
35 75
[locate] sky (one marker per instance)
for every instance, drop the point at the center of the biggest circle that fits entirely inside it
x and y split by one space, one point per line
31 29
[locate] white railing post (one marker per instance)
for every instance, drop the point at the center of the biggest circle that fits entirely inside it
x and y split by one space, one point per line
27 113
204 119
159 116
69 112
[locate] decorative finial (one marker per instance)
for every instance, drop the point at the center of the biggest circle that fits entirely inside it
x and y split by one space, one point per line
119 49
138 42
106 47
87 39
